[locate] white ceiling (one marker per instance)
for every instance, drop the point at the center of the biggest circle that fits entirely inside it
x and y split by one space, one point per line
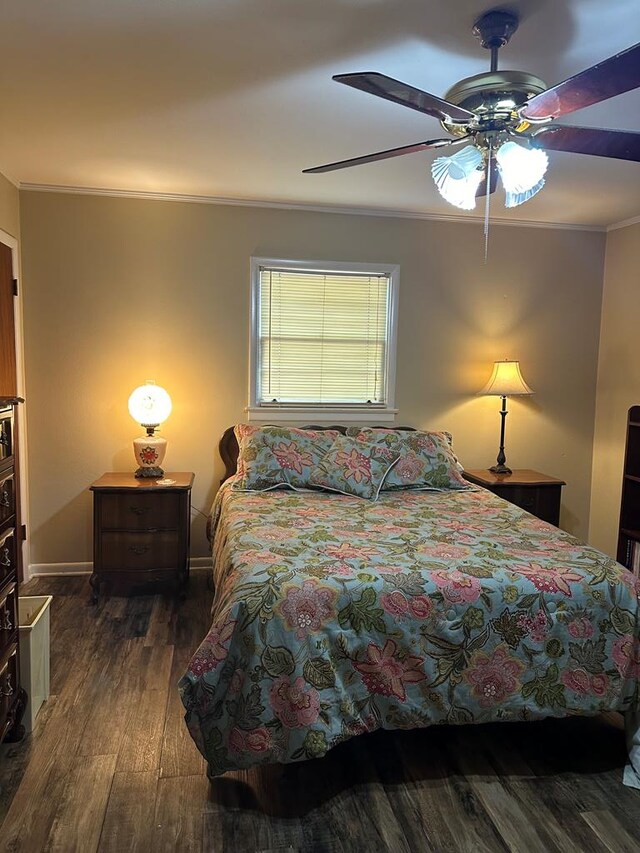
231 99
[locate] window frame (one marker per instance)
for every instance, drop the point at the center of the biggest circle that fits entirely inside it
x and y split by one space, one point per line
357 412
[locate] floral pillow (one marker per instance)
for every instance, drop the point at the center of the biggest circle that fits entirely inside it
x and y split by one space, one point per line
425 459
273 457
354 467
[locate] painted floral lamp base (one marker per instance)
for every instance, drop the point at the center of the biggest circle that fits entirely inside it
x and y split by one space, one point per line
149 451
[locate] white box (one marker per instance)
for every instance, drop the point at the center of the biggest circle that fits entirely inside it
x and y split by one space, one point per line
33 619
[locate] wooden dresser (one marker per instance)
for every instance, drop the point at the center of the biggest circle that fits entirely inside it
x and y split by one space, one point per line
141 529
12 696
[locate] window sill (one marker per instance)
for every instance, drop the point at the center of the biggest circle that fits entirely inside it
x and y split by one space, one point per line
333 414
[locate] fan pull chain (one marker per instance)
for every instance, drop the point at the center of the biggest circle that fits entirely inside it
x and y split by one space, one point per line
486 203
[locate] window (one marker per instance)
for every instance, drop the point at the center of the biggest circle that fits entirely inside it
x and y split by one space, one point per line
322 339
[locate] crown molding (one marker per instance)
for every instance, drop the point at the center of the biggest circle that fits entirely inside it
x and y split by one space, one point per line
11 180
309 208
624 223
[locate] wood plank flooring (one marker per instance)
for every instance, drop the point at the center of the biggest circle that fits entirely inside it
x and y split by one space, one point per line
110 766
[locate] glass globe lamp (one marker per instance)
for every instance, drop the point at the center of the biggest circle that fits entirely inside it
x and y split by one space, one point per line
149 405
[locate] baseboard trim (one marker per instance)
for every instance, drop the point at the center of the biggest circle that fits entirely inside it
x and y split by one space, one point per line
59 569
43 570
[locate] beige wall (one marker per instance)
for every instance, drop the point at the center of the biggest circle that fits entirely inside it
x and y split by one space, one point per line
122 290
9 207
618 381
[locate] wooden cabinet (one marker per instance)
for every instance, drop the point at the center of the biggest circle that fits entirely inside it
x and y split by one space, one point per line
12 697
629 528
538 493
141 529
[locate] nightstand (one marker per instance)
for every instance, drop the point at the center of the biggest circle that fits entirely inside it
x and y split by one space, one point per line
538 493
140 529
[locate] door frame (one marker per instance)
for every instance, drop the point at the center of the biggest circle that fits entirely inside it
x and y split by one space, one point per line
12 242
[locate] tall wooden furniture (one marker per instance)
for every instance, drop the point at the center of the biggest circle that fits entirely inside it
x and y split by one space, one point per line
629 528
13 698
141 529
538 493
8 292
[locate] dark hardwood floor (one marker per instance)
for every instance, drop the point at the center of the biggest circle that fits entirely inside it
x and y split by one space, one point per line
111 767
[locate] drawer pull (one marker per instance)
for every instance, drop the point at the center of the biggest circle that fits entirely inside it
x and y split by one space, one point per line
5 498
5 560
139 510
139 549
6 622
7 689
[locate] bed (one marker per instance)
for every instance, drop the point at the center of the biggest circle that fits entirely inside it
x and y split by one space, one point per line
334 616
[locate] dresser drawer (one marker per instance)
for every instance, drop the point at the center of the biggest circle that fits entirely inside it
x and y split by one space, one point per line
124 552
7 496
7 553
135 511
8 687
8 617
6 435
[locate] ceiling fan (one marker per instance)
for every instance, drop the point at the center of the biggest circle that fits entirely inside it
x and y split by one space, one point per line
507 119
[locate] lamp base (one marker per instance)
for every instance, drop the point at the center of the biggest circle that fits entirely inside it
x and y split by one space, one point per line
498 469
151 473
149 451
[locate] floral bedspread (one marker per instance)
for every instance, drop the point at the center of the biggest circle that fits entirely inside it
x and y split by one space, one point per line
335 616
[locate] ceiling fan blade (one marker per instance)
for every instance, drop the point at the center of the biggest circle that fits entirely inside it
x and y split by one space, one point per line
613 76
381 155
405 95
493 182
621 144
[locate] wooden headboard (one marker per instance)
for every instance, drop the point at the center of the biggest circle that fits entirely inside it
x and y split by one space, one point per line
228 445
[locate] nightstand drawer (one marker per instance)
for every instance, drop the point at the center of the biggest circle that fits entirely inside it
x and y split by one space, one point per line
7 553
135 511
521 496
542 501
7 497
532 491
524 498
138 551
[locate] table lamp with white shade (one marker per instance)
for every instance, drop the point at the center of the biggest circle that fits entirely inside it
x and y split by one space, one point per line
149 405
506 381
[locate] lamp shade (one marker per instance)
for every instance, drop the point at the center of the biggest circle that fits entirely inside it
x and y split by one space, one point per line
149 404
522 171
506 381
458 177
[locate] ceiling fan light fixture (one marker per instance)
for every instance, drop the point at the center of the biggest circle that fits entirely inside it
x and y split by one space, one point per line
458 177
522 171
492 107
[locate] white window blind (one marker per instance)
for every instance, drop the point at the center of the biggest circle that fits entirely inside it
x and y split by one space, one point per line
322 337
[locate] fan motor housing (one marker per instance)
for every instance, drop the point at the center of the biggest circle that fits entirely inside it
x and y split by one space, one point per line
493 95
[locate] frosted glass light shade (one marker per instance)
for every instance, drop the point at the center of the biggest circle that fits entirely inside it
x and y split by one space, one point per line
458 177
506 381
149 404
522 171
